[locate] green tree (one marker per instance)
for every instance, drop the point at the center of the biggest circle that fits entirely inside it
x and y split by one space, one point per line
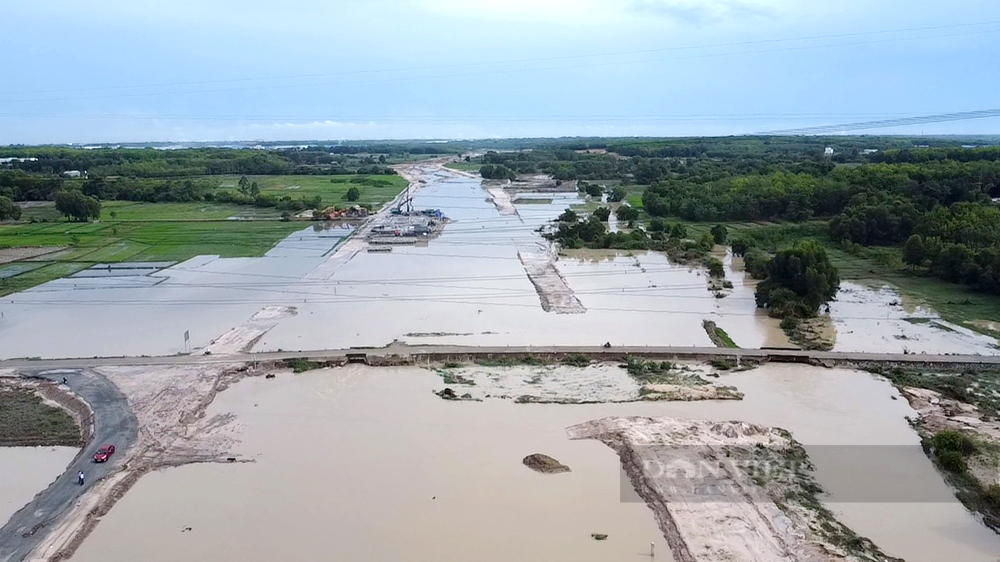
244 184
627 213
593 190
915 250
77 206
678 231
657 225
799 280
8 210
617 194
569 215
602 213
353 194
254 190
720 233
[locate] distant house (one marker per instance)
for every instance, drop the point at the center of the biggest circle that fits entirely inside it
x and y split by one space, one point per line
869 151
72 173
828 152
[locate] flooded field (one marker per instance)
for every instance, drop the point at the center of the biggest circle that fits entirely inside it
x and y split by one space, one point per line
367 464
484 281
24 471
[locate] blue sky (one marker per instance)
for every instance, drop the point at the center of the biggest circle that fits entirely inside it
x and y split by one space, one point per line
190 70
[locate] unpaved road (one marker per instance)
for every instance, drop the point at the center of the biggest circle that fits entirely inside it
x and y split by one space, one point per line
113 423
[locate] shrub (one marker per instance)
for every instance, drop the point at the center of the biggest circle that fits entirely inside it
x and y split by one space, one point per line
955 441
952 461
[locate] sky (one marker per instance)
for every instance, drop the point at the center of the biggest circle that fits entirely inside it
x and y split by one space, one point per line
228 70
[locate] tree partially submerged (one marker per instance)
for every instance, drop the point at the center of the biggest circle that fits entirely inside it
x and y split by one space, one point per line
799 280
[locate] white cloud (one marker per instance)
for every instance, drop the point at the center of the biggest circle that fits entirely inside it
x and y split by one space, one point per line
531 11
703 11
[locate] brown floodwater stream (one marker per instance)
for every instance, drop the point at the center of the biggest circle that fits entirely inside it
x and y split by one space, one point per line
367 464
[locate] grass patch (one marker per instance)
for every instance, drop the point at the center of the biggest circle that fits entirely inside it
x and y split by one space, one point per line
718 336
465 166
301 365
510 361
375 190
26 421
576 360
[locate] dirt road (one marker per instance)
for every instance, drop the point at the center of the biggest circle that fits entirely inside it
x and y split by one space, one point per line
113 423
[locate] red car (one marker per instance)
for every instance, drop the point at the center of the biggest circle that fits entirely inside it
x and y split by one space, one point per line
104 453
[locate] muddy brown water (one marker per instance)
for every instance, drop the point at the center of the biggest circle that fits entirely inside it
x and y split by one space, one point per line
367 464
25 471
468 282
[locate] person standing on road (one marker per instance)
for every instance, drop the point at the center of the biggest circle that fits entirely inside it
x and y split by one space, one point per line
79 477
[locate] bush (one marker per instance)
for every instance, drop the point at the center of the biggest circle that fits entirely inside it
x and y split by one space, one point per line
952 461
720 233
955 441
353 194
715 268
789 323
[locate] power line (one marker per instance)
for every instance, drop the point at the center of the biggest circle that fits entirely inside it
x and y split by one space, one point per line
919 120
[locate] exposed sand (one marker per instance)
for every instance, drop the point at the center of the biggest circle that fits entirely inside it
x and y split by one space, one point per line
501 199
242 338
593 384
553 291
690 473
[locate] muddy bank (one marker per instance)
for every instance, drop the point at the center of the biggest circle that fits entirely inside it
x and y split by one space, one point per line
704 483
960 430
596 383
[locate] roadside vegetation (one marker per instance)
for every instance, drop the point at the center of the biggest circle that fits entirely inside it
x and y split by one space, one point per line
26 421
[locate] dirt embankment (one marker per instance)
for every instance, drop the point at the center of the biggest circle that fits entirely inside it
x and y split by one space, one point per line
728 491
555 294
977 480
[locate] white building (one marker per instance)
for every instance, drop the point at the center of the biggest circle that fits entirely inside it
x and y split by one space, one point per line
72 173
828 152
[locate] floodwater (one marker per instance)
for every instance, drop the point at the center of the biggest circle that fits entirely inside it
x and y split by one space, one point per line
367 464
466 287
25 471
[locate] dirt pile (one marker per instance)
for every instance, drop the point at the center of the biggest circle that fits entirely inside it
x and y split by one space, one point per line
544 464
728 491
